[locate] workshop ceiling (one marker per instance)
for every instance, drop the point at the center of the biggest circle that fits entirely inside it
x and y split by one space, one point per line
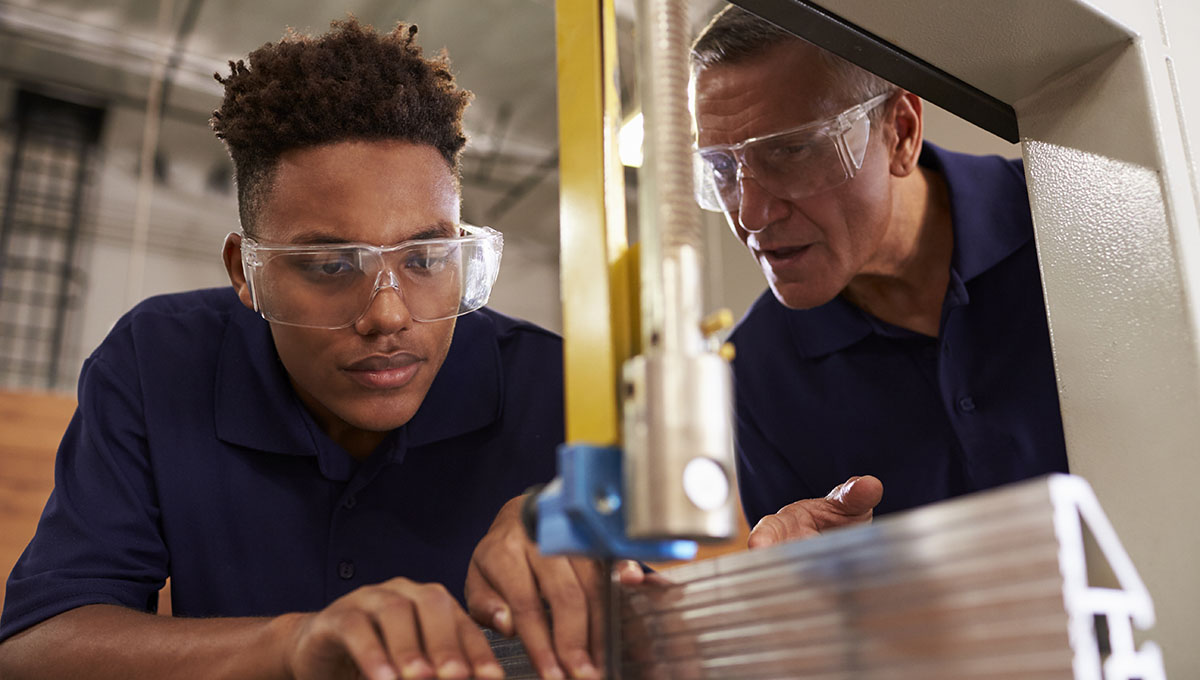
502 50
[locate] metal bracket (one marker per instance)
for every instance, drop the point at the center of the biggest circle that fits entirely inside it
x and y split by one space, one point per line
581 512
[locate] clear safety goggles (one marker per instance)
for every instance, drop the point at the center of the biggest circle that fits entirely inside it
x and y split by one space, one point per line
332 285
792 164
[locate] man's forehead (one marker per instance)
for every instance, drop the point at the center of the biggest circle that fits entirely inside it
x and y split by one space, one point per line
362 192
786 86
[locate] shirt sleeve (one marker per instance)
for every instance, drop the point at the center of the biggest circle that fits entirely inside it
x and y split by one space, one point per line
98 540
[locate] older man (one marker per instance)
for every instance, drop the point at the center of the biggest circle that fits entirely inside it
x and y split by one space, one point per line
904 333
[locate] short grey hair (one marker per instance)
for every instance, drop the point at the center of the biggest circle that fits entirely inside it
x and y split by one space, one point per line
734 35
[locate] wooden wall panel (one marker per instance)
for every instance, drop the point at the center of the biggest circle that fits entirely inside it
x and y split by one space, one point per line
31 425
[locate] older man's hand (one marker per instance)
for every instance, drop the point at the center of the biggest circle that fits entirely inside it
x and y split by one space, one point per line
851 502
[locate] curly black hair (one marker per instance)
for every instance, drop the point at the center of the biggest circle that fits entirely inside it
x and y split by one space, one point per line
351 83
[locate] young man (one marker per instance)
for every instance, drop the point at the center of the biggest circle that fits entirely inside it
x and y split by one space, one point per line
904 334
307 472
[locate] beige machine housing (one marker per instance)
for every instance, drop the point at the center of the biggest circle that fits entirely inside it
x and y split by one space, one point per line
1107 99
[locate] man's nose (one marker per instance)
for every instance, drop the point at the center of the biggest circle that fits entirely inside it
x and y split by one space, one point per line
387 312
757 207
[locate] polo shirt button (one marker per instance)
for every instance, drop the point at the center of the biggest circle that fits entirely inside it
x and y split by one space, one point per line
346 569
966 404
350 502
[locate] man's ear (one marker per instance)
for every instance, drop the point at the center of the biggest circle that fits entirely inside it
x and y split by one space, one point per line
906 123
231 254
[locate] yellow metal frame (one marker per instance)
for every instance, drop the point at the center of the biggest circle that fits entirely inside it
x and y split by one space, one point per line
596 276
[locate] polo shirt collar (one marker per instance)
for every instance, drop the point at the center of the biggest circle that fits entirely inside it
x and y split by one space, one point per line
982 194
826 329
256 405
258 408
985 232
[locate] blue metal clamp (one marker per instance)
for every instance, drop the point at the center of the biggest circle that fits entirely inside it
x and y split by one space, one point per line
581 512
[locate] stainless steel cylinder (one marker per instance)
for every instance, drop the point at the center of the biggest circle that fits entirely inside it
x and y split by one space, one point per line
677 425
679 480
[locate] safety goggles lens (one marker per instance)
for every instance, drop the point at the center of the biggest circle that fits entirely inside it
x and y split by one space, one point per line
332 286
793 164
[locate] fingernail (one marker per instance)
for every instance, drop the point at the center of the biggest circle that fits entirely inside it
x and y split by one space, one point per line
416 668
453 669
489 671
839 492
554 673
501 620
586 671
384 672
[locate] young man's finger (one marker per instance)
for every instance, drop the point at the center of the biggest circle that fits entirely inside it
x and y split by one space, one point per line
485 605
477 650
630 573
515 586
438 614
569 607
358 636
396 621
534 632
498 576
594 578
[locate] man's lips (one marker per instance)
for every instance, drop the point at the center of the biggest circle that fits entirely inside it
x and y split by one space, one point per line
383 362
783 253
384 371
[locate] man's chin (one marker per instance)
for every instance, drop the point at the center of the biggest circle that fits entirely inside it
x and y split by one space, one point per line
381 416
798 296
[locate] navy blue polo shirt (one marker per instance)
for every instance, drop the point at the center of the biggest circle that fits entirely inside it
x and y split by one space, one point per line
830 392
191 456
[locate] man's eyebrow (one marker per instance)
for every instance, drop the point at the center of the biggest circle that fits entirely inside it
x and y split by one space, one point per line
313 238
442 229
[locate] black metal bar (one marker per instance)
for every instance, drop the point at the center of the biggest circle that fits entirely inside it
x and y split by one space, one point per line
809 21
93 120
14 180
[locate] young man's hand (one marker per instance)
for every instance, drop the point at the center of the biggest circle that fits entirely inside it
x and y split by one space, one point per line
507 581
397 629
851 502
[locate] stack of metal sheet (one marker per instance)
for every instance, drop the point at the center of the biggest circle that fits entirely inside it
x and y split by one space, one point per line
984 587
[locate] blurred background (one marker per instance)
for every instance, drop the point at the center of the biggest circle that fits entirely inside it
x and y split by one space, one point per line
85 233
